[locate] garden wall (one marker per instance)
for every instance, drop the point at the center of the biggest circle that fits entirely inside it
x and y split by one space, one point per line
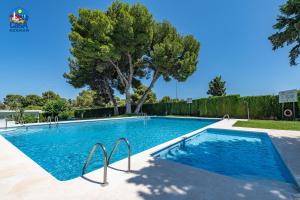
261 107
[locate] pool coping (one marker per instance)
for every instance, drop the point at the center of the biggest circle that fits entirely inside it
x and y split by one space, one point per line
28 125
63 122
143 154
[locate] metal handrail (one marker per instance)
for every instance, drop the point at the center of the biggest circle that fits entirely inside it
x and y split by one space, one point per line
56 120
49 121
105 161
23 125
115 147
226 116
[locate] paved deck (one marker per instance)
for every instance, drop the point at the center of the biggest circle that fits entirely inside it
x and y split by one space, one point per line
21 178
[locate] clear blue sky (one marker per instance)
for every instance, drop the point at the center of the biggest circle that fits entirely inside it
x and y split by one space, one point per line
233 36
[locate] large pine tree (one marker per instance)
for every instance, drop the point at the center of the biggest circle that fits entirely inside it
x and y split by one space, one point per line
217 87
288 26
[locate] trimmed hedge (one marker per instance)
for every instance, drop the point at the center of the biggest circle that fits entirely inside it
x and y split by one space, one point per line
261 107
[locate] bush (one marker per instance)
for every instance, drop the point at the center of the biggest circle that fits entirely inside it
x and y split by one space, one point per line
31 107
29 118
261 107
66 115
55 107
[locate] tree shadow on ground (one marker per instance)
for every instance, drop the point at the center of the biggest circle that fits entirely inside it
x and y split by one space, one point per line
285 145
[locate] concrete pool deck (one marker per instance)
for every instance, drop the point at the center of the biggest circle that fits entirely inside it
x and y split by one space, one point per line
22 178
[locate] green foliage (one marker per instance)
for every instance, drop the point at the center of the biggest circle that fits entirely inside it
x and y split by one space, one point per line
34 107
66 115
166 99
91 48
2 106
85 99
173 55
120 102
50 96
132 29
216 87
288 29
55 107
50 102
14 101
109 50
261 107
138 93
96 112
27 118
33 100
43 117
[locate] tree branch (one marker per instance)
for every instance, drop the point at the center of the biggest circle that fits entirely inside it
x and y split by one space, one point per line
130 68
122 77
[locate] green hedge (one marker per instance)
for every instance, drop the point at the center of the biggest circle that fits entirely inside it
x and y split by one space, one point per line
261 107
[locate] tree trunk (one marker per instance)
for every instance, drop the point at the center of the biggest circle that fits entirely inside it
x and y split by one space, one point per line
129 82
111 98
126 81
128 101
145 95
116 109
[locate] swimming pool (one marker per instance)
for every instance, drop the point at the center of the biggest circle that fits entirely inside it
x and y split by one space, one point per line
62 150
240 154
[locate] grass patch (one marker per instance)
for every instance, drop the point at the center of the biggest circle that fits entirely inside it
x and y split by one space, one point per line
269 124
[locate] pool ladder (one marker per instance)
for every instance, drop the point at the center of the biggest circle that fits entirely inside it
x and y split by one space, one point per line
107 159
50 121
23 125
226 116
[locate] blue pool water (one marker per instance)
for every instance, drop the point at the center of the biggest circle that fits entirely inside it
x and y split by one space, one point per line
241 154
62 151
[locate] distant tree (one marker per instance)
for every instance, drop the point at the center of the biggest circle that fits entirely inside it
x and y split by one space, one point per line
166 99
55 107
85 99
71 102
50 95
121 102
288 26
14 101
2 106
33 100
217 87
138 93
101 100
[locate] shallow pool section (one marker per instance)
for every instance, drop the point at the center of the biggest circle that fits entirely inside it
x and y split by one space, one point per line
62 150
240 154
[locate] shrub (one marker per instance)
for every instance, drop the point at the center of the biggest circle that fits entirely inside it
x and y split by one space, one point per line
27 118
66 115
261 107
55 107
